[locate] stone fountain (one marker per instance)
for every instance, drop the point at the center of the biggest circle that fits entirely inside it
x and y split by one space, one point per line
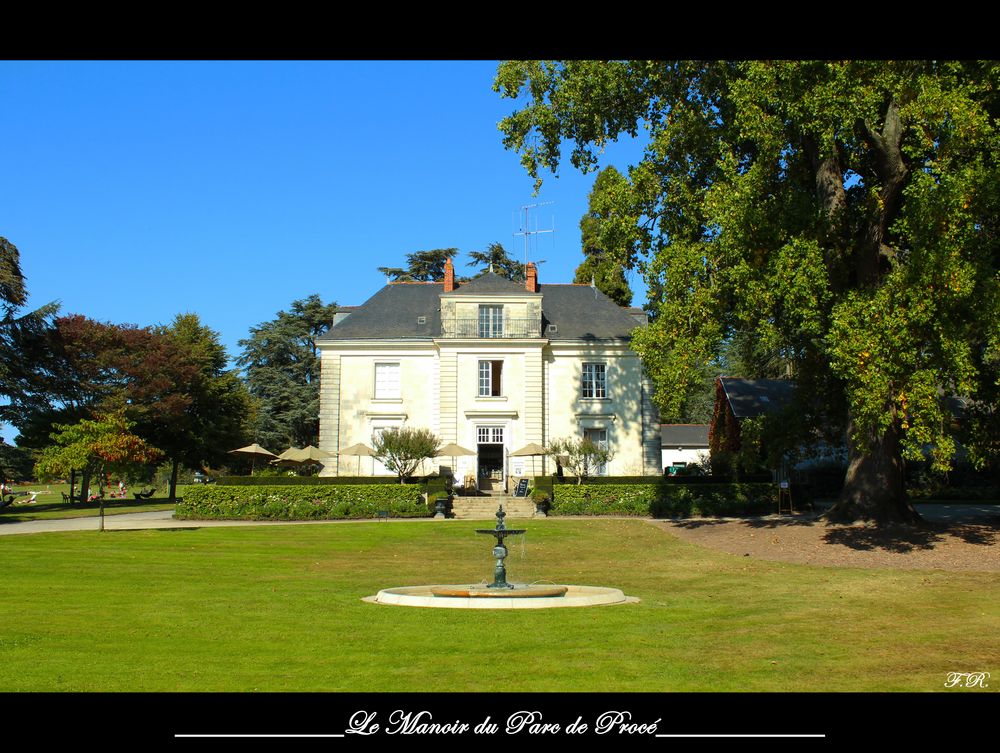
500 594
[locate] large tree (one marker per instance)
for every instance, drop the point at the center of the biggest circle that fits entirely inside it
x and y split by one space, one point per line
601 265
186 400
495 257
81 368
282 367
421 266
171 382
22 338
841 217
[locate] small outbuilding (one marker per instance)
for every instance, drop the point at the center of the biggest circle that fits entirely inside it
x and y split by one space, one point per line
683 445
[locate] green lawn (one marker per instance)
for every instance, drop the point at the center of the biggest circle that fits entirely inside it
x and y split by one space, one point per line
279 608
49 504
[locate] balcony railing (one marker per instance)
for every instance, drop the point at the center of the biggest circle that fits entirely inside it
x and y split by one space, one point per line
491 329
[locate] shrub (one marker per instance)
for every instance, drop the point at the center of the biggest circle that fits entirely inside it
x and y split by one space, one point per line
581 455
694 500
660 500
604 499
302 502
402 449
543 484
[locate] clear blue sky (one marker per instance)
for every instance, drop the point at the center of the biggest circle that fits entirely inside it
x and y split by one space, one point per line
139 190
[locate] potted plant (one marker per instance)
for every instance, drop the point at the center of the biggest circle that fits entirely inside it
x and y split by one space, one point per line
541 500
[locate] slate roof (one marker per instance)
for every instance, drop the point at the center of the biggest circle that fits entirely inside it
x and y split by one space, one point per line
579 312
491 283
684 435
393 312
750 398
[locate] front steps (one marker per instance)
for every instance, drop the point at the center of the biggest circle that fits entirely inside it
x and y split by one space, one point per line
485 508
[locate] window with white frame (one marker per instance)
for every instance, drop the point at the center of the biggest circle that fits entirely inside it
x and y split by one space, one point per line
489 434
387 381
490 321
595 380
490 378
600 438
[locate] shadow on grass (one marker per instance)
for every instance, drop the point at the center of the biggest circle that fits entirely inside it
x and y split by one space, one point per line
769 522
904 538
166 529
697 522
900 539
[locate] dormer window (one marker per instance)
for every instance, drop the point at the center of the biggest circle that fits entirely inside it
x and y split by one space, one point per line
490 321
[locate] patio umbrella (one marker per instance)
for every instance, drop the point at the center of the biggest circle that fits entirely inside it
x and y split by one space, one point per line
293 456
253 451
530 450
290 458
308 454
453 451
314 454
361 450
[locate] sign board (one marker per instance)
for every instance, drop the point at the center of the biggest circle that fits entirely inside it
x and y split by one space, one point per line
784 484
522 488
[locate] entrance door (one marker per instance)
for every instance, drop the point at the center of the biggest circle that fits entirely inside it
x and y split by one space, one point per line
489 447
600 438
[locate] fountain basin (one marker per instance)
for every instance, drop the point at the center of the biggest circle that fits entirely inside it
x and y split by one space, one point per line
514 592
439 596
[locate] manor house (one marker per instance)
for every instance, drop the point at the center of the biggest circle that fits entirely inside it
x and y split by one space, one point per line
491 365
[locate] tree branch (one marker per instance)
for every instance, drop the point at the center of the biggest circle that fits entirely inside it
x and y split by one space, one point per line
892 171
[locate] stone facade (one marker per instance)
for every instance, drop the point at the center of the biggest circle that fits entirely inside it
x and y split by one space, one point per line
491 366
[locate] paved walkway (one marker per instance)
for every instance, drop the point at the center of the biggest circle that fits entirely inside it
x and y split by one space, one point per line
969 513
134 521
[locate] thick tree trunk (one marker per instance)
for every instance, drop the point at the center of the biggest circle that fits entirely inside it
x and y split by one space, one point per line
873 486
173 480
85 485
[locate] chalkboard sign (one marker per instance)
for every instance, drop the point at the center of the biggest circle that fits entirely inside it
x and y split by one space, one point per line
522 488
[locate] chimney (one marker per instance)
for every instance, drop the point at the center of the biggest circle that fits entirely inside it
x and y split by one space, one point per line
531 277
449 276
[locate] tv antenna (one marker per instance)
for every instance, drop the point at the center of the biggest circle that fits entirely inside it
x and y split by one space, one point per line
525 228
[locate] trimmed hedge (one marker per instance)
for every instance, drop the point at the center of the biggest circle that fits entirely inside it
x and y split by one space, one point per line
759 478
303 502
660 500
605 480
716 500
604 499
